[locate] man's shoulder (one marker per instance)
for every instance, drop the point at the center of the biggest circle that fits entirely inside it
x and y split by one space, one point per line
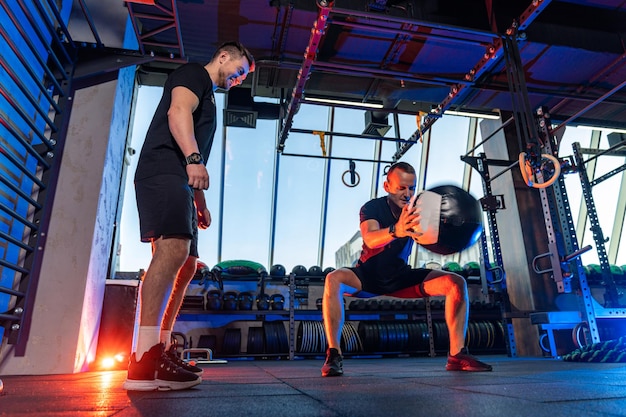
193 76
375 202
189 66
373 209
189 72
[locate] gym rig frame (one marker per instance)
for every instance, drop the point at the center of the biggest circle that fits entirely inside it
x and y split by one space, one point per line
564 253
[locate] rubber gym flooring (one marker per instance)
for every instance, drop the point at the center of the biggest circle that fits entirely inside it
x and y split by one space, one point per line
414 386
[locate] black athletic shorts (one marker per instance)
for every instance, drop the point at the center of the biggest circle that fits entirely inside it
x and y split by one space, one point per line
166 208
373 282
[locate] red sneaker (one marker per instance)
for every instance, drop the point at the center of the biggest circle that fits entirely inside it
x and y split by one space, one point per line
463 361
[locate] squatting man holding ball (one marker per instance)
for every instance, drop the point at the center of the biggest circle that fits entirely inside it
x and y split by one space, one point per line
389 225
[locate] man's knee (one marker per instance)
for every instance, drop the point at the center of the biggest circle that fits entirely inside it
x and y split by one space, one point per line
445 283
458 283
340 281
332 282
174 249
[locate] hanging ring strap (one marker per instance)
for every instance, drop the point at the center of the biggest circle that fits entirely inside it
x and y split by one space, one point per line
322 141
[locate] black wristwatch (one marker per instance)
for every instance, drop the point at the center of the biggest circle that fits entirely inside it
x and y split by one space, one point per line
194 158
392 230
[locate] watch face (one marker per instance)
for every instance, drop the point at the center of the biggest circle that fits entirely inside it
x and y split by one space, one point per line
194 158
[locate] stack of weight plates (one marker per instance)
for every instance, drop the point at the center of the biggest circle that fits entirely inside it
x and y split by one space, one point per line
208 341
256 340
482 334
393 336
441 336
419 338
350 340
276 341
311 337
231 344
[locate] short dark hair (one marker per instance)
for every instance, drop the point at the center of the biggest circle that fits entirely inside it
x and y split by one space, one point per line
235 48
402 166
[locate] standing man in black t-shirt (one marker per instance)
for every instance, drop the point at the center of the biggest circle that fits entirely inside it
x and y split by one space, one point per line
388 228
170 181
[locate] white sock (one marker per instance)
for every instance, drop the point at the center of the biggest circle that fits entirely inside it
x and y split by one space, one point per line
166 338
147 337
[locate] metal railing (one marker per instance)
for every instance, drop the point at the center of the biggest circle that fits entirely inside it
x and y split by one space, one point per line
35 85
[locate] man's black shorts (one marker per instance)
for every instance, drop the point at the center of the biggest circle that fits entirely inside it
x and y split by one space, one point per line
376 283
166 208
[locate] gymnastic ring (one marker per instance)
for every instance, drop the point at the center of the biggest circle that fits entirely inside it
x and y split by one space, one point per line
526 170
576 333
343 179
542 342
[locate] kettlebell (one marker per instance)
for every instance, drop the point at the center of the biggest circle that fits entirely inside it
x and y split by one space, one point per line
263 302
245 300
214 300
230 300
278 301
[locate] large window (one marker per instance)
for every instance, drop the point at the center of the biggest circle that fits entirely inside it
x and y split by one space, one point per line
313 194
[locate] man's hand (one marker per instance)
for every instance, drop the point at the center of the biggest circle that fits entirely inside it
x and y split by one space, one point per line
427 210
198 176
408 220
204 219
204 216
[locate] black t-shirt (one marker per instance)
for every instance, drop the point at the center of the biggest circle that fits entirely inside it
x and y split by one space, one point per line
386 261
160 153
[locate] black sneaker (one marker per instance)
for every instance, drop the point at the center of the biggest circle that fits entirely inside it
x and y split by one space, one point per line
463 361
334 363
156 372
172 354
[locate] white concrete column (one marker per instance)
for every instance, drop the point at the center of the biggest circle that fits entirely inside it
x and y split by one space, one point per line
64 329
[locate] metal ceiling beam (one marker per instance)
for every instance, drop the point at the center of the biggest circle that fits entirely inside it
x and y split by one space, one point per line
613 67
319 28
96 65
590 106
90 22
488 61
318 32
386 74
421 24
167 15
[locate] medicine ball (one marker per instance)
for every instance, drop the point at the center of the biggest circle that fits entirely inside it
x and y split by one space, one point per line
278 271
202 271
451 219
263 302
471 269
214 300
245 300
358 304
452 267
278 302
300 270
316 271
230 300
